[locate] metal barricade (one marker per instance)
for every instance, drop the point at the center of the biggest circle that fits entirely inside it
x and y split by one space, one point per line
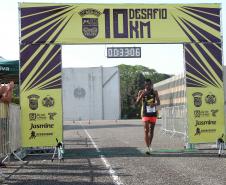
10 135
14 127
4 130
174 120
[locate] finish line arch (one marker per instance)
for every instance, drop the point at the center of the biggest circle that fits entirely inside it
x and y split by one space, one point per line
45 27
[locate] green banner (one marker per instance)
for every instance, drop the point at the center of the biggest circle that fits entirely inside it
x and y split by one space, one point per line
9 67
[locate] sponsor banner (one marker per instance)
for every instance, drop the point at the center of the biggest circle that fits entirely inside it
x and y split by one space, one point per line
40 95
119 23
205 114
205 92
41 117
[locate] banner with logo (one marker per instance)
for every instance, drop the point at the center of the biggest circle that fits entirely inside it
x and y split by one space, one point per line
197 26
40 93
118 23
205 92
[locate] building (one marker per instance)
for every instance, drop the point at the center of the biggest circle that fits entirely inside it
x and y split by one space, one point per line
91 93
172 91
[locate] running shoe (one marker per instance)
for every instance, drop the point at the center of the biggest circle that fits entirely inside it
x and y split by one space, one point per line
148 152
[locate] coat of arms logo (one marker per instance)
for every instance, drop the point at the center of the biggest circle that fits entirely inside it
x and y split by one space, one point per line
197 99
90 27
33 101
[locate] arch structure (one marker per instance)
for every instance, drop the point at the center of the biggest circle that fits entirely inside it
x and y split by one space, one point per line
45 27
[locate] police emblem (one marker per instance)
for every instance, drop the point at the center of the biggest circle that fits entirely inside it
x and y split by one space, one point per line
48 101
197 99
211 99
33 101
90 27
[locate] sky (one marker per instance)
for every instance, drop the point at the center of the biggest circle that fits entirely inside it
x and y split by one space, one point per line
163 58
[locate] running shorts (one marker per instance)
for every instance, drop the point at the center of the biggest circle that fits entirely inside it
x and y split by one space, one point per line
150 119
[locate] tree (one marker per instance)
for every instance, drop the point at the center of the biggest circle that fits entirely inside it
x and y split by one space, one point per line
131 81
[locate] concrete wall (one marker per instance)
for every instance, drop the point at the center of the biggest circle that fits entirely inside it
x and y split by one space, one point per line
91 93
111 93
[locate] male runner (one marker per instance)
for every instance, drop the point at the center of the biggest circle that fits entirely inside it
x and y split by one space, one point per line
150 100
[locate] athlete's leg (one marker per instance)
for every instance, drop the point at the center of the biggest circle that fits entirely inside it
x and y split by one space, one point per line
146 133
152 128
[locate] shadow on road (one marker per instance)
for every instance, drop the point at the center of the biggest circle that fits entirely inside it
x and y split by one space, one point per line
38 171
107 152
78 127
55 182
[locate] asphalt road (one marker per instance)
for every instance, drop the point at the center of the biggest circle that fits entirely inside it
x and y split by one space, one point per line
112 153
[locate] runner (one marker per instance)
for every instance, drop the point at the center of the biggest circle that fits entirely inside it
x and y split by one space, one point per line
150 101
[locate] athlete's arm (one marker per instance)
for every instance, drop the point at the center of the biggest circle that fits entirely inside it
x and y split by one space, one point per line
140 96
157 98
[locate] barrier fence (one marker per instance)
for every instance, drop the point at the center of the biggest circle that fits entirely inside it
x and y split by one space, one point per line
14 128
4 129
10 135
174 120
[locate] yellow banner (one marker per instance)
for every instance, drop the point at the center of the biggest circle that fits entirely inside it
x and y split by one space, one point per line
205 114
130 23
41 112
119 23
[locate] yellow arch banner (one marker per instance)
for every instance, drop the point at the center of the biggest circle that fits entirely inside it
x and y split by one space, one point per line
44 27
119 23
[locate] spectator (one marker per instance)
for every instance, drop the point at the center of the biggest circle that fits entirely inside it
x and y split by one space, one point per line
7 93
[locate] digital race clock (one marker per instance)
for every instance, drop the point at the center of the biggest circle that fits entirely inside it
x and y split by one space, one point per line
124 52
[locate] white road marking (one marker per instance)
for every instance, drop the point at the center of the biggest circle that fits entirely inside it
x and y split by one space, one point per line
112 172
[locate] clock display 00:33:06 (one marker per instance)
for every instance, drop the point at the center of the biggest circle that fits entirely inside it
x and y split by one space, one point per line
124 52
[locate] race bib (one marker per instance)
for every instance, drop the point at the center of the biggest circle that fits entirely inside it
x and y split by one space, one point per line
150 109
